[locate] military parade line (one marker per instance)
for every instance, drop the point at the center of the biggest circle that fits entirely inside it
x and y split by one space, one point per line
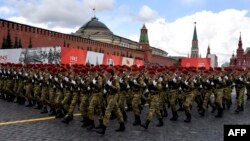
112 91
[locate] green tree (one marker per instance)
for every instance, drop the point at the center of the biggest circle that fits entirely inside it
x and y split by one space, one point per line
16 43
8 40
20 44
4 43
30 44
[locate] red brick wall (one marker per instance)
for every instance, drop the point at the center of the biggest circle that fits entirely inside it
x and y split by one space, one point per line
164 61
45 38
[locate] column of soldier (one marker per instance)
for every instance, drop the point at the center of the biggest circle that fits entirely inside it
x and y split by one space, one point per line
104 91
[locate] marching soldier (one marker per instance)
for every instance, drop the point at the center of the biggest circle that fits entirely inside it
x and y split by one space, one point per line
240 89
112 88
154 87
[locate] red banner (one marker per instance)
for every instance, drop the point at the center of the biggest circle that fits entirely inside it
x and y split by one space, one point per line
109 59
138 62
73 56
195 62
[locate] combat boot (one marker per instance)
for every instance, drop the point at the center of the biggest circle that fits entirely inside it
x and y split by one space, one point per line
100 124
121 128
125 117
145 125
229 104
45 110
202 112
86 122
91 125
175 116
102 131
137 120
59 114
160 123
213 108
165 112
220 113
188 119
241 108
67 119
38 106
52 112
29 104
238 109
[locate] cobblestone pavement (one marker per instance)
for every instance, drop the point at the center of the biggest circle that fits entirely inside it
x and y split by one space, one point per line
207 128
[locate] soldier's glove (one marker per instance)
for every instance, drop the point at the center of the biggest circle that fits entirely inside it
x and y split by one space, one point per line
109 83
104 91
73 82
94 81
56 79
61 85
212 83
220 79
186 83
226 77
135 82
194 80
174 80
88 88
128 86
166 85
82 82
120 80
66 79
154 83
160 79
201 86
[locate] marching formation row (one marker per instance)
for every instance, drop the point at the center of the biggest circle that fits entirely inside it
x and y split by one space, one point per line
111 91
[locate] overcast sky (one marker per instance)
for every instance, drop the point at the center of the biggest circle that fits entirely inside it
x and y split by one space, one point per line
170 22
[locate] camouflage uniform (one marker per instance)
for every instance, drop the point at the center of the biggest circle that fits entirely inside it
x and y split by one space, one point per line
112 87
96 86
154 88
240 90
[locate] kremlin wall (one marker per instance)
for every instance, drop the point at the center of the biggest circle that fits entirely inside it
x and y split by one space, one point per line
93 36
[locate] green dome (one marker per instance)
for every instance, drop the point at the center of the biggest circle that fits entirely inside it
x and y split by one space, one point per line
93 25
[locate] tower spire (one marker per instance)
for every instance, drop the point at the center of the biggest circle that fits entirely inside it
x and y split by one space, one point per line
195 33
144 35
240 42
195 49
208 50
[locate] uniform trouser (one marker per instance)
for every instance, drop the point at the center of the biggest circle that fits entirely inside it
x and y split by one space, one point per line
67 100
173 100
58 98
1 85
206 99
9 87
52 96
20 89
15 87
45 96
227 95
188 99
75 100
136 101
84 103
219 97
240 96
37 93
154 107
95 104
112 106
162 99
28 91
122 100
